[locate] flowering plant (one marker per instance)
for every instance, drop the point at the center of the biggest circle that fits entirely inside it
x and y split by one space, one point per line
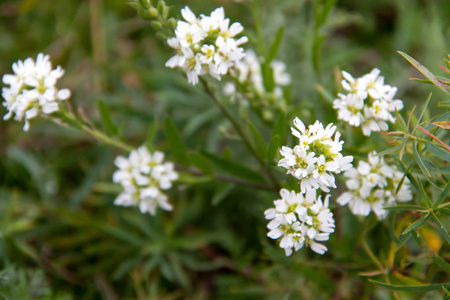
158 163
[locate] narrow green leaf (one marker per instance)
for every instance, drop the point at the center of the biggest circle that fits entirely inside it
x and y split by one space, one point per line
444 104
420 161
201 163
273 148
405 207
261 147
409 288
442 196
403 239
438 151
442 229
280 128
221 193
424 193
122 235
444 210
423 112
268 80
390 150
152 133
106 119
441 263
175 143
446 293
276 45
417 223
234 168
426 72
402 122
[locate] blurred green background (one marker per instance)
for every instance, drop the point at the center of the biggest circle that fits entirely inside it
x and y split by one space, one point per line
61 236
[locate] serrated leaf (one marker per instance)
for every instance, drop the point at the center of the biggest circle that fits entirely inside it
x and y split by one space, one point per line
441 263
443 124
417 223
176 145
420 161
426 73
276 45
221 193
408 288
109 125
438 151
234 168
442 196
261 148
201 163
273 148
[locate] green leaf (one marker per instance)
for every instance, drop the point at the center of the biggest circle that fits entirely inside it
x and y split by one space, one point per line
403 239
417 223
201 163
426 72
420 161
223 190
234 168
390 150
409 288
268 80
405 207
276 45
106 119
444 210
261 147
280 128
273 147
152 133
441 227
122 235
441 196
423 112
175 143
402 122
441 263
438 151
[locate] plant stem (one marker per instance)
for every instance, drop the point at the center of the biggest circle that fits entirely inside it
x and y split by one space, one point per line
241 133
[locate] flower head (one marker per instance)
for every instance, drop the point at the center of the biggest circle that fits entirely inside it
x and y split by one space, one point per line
369 102
144 177
300 219
206 44
317 156
32 89
372 186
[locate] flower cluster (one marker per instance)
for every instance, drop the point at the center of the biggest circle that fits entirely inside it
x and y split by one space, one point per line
248 71
369 102
299 220
143 177
317 156
372 186
206 44
32 89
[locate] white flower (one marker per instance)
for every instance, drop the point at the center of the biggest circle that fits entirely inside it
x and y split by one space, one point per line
32 89
143 177
206 45
369 104
300 219
372 185
317 156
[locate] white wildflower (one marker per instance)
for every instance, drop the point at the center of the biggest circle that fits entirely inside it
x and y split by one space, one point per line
372 185
32 89
143 177
369 103
317 156
300 219
206 45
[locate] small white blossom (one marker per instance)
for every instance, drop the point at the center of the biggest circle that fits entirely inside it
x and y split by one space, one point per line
32 89
206 45
317 156
369 103
372 185
300 219
143 177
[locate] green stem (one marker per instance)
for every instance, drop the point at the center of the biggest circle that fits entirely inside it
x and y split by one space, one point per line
80 125
241 133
